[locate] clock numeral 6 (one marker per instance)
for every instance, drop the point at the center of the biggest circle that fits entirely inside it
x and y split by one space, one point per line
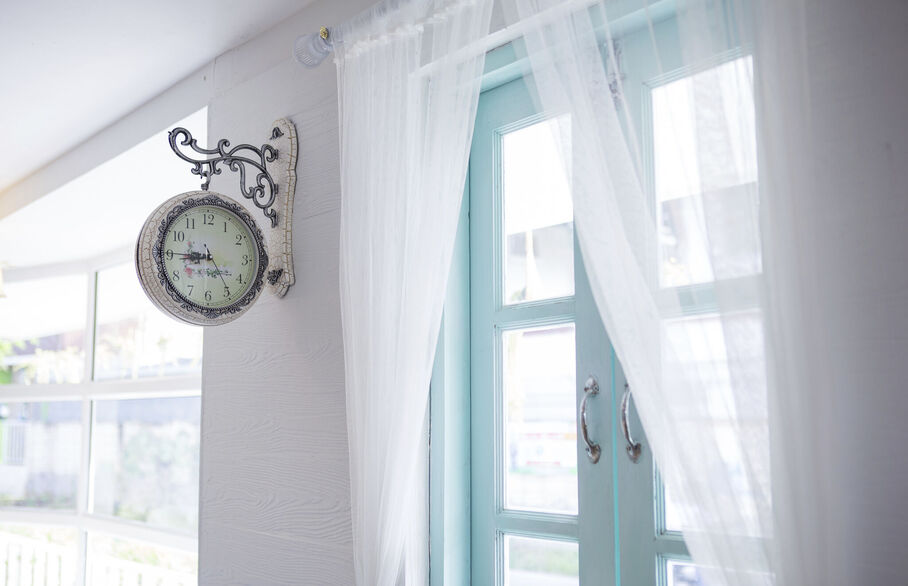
207 295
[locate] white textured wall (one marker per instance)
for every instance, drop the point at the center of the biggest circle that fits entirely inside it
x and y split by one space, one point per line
275 483
857 230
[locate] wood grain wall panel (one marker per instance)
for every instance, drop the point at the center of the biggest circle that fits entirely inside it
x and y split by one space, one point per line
275 504
262 559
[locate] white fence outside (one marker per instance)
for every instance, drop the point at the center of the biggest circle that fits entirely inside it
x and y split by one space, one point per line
30 562
108 571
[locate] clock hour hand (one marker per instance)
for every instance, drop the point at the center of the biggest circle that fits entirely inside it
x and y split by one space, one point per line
211 258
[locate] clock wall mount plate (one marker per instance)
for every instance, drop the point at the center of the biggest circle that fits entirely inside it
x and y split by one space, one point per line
201 256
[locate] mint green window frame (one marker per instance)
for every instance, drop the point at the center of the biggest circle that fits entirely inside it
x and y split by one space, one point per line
632 544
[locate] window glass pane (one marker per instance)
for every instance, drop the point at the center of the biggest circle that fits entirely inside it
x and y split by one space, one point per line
680 573
538 213
39 454
145 456
133 338
540 562
672 513
112 560
702 231
42 330
38 554
726 392
540 419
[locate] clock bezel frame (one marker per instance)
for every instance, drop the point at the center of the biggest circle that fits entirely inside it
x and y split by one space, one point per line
150 248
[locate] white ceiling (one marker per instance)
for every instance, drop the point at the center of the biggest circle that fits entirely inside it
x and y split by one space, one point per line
70 68
102 210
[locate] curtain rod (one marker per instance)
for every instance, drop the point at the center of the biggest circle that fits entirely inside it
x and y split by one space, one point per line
310 50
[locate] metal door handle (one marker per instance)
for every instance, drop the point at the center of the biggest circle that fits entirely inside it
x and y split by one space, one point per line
592 449
632 448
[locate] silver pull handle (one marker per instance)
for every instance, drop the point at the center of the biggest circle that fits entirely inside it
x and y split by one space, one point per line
632 448
592 448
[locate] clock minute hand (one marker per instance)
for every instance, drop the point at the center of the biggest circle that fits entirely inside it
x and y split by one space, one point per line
211 258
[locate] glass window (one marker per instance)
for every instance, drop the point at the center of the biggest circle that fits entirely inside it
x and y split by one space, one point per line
146 460
112 560
133 338
538 213
540 562
540 419
685 132
696 353
134 465
42 330
39 454
38 554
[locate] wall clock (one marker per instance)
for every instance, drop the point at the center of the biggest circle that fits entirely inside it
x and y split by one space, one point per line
201 256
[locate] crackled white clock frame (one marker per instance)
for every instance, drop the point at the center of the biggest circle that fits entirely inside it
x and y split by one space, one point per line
173 259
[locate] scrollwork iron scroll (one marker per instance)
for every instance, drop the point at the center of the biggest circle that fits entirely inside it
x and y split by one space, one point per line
238 159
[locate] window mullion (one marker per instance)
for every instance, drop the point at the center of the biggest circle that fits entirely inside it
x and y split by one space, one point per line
83 504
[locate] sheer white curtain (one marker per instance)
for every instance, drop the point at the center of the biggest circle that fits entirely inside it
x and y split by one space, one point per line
405 135
758 310
667 215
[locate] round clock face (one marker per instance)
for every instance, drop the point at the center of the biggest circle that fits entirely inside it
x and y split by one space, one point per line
201 258
210 256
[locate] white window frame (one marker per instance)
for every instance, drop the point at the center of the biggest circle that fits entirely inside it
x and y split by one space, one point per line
84 519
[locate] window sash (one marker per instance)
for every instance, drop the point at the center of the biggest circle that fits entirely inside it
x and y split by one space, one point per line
84 519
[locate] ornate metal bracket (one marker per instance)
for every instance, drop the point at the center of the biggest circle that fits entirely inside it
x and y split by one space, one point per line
267 177
262 193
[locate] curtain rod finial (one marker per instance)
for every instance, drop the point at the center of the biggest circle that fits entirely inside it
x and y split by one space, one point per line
310 50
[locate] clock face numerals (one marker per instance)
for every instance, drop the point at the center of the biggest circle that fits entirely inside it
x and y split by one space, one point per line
201 258
210 256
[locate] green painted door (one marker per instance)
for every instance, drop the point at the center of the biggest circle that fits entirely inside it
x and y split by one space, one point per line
541 512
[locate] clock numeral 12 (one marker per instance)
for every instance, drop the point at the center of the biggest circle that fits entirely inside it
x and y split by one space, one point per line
208 219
